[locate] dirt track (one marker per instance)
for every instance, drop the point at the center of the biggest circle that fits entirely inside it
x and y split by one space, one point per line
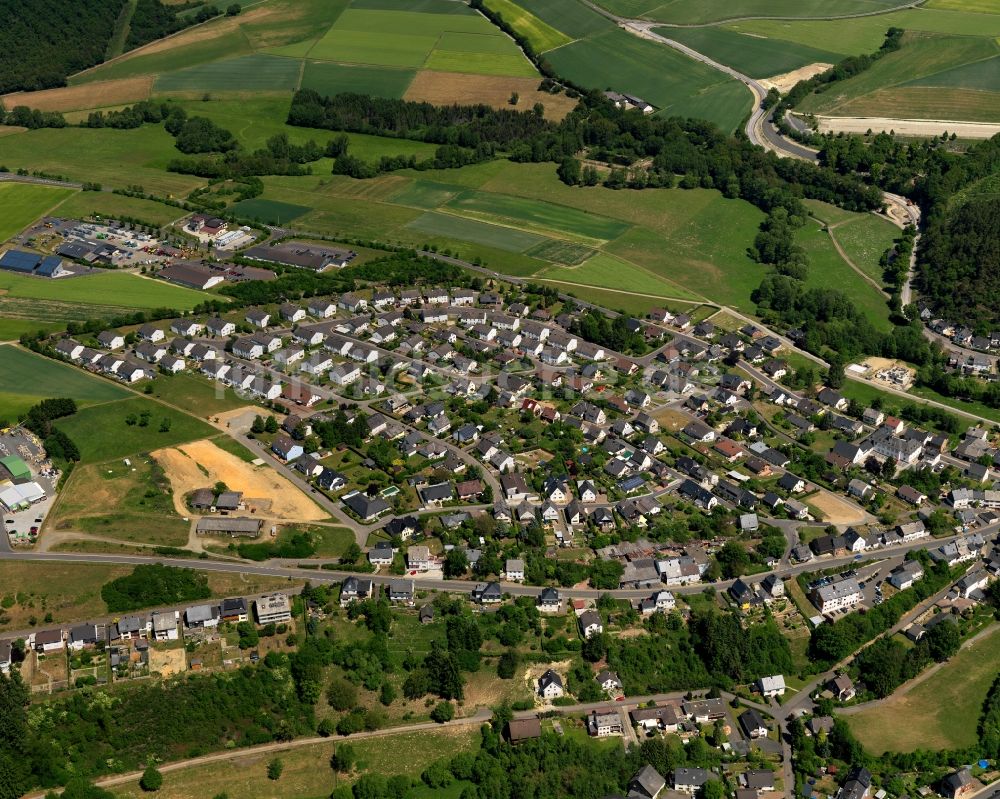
278 497
784 82
908 127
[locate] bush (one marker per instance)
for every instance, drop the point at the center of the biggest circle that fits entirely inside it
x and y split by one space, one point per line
274 769
444 711
151 780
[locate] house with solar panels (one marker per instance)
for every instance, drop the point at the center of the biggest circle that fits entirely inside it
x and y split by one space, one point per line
30 263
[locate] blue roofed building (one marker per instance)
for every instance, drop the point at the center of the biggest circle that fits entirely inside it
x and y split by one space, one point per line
30 263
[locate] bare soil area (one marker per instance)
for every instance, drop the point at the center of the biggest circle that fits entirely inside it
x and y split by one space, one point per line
836 510
201 464
446 88
908 127
784 83
167 662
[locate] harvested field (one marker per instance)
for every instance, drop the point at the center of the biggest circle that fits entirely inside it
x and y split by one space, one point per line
99 94
445 88
836 510
784 82
202 463
907 127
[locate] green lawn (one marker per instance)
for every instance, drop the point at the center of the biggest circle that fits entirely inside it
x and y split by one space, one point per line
29 378
101 431
196 393
110 205
23 203
941 712
492 235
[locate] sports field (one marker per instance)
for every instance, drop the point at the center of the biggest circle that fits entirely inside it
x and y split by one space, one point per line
940 712
29 378
23 203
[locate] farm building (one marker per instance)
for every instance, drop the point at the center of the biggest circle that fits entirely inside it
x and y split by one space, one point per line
192 276
30 263
234 527
16 468
305 256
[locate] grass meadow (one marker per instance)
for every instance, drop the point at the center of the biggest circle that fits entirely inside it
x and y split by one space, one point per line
23 203
939 712
29 378
703 11
101 431
865 239
118 290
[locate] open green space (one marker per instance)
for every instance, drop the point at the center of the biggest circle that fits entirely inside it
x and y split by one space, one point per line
570 17
105 155
606 271
751 55
329 78
113 206
256 72
203 397
617 300
561 252
29 378
865 239
906 83
471 230
117 289
828 270
426 194
540 34
538 215
272 212
939 712
102 432
23 203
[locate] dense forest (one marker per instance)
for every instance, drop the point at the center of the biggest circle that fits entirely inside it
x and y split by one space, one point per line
153 20
44 41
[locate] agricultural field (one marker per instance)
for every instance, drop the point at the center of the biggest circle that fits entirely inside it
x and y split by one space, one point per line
688 12
606 271
939 712
103 432
540 34
907 84
23 203
257 73
271 212
29 378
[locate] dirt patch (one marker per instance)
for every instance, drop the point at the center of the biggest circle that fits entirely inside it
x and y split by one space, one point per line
99 94
535 671
671 420
201 464
446 88
907 127
836 510
784 83
167 662
240 419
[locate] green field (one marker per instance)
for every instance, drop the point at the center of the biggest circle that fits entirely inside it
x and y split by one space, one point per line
907 83
538 215
828 270
426 194
272 212
101 431
23 203
701 11
540 34
28 378
108 205
939 712
606 271
470 230
865 239
115 289
561 252
751 55
328 78
113 157
247 73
